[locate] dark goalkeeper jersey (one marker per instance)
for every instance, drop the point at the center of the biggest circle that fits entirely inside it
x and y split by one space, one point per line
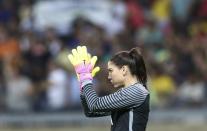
128 107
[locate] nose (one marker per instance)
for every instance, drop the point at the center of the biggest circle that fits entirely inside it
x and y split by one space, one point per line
109 77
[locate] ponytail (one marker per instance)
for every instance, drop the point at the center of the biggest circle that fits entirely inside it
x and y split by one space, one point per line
139 70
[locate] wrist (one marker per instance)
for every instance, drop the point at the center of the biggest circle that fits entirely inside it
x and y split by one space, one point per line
85 82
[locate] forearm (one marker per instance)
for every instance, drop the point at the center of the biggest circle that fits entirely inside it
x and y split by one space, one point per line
89 113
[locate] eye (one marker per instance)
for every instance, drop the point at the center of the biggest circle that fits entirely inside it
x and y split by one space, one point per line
110 70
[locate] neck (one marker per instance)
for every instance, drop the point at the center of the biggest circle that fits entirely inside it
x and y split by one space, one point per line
130 81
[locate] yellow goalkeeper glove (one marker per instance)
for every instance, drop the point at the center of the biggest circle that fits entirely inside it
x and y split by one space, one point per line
81 56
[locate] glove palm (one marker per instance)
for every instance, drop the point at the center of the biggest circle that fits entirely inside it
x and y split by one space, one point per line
83 63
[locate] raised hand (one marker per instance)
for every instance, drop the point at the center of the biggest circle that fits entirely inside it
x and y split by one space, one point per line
83 63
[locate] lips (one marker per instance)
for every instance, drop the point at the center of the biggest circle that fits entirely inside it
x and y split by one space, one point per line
110 80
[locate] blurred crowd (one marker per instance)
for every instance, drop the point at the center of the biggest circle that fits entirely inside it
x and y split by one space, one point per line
35 74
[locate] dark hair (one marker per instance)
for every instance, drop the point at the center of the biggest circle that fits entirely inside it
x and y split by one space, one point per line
134 60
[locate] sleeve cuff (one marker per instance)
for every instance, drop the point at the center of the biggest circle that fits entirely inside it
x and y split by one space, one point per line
85 83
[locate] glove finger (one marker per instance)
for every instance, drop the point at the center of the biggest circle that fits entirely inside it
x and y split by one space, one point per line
95 70
76 56
88 60
71 59
84 53
75 53
93 60
80 53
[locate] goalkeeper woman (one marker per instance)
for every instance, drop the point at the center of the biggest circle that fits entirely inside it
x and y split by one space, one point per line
129 105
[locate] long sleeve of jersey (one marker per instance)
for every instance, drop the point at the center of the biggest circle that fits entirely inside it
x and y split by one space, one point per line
87 111
124 98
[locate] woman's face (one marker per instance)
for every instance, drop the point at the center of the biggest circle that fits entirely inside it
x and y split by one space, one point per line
115 75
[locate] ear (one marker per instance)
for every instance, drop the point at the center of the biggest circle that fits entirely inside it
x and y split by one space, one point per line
124 70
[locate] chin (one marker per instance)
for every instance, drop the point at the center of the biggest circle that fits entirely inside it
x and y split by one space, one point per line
117 85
